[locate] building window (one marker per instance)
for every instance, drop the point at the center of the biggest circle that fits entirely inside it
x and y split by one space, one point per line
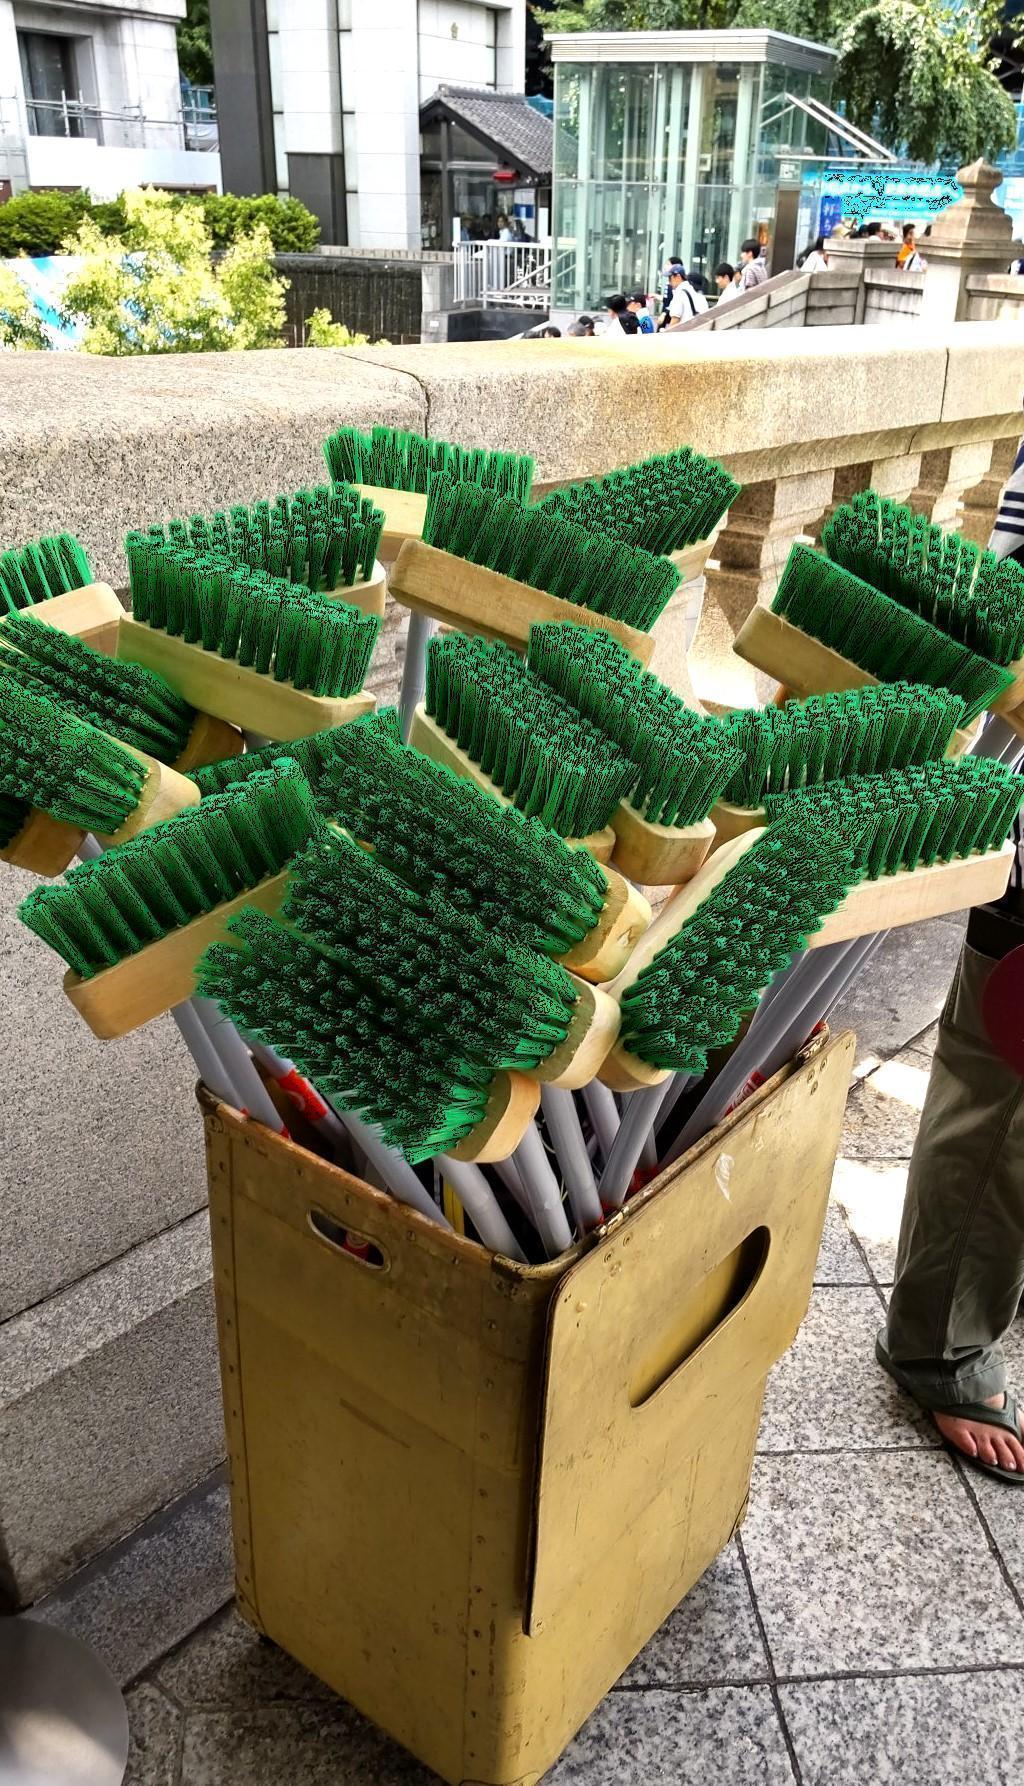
49 67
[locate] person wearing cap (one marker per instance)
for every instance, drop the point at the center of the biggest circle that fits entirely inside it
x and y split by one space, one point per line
637 304
682 304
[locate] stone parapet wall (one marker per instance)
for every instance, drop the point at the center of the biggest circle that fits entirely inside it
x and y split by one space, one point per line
995 297
891 296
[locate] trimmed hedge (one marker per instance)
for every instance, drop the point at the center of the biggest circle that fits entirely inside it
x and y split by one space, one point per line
37 223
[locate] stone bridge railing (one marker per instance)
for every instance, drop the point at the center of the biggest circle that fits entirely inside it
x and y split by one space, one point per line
108 1396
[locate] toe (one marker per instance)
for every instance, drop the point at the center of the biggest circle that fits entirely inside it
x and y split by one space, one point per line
1004 1453
986 1449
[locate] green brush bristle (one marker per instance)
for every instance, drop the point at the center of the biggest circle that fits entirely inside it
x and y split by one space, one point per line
862 731
13 814
281 629
442 835
936 812
878 634
543 755
691 999
314 756
966 592
682 759
134 704
560 557
321 538
131 896
662 504
45 567
303 1000
498 1003
397 459
53 760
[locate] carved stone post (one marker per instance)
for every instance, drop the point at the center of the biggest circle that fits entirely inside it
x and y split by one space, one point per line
982 499
972 236
946 473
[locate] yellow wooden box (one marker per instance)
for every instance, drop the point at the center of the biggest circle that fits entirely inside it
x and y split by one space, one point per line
465 1492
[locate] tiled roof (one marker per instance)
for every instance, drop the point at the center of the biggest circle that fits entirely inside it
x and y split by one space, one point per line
522 133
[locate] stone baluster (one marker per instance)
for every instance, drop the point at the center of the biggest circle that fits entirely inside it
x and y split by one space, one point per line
894 478
946 472
982 499
762 525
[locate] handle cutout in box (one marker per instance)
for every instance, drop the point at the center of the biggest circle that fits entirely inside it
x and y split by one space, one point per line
706 1307
347 1241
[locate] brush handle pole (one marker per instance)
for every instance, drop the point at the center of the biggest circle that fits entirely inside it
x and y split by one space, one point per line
256 1099
997 739
822 1004
563 1125
603 1112
481 1206
787 995
543 1194
649 1151
680 1083
208 1063
396 1172
303 1095
414 671
255 740
637 1122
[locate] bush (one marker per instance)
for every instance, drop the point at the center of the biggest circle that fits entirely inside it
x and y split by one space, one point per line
292 229
323 331
156 290
36 223
19 320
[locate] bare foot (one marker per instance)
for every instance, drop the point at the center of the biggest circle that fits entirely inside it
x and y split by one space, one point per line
990 1444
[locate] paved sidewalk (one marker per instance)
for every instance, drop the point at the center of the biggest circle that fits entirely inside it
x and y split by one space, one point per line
867 1628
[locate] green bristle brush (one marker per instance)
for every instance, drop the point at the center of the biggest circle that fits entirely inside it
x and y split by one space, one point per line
488 718
272 657
665 504
441 834
544 1021
962 589
314 755
682 759
701 966
130 703
705 962
72 778
487 564
860 731
326 539
53 574
132 923
394 468
932 839
827 630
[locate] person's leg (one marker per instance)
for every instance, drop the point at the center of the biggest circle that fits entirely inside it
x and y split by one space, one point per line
960 1268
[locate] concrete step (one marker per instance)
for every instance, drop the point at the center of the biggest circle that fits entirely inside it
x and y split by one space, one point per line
109 1407
140 1598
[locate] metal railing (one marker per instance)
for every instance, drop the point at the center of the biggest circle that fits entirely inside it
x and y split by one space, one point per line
196 128
516 273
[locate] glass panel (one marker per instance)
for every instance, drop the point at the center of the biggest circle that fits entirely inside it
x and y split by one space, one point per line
48 71
718 127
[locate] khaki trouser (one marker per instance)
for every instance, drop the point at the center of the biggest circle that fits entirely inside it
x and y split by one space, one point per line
960 1269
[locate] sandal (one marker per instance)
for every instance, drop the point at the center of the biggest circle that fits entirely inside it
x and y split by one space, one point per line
1007 1418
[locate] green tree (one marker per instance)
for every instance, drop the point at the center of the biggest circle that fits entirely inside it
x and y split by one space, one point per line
20 326
36 222
195 49
323 331
920 73
155 289
292 229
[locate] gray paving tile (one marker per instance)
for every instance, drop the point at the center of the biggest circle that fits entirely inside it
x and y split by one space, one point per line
903 988
876 1561
827 1393
679 1739
225 1664
294 1745
154 1727
135 1601
871 1193
884 1110
711 1636
839 1261
933 1730
1003 1505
